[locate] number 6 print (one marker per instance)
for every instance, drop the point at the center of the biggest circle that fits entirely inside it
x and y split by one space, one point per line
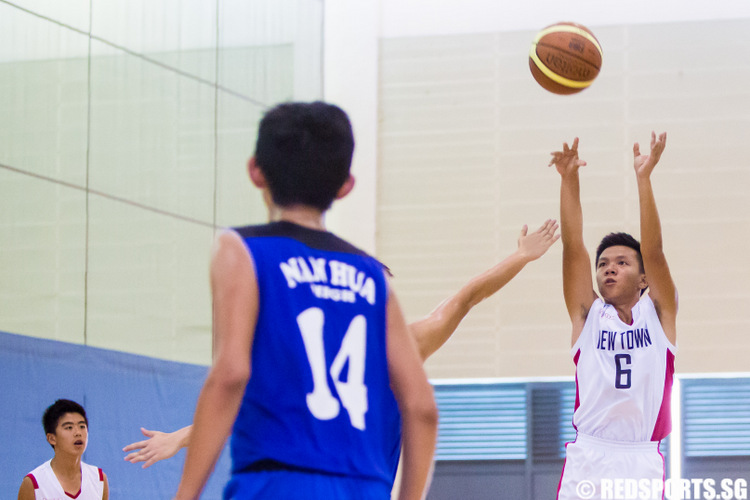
352 393
622 372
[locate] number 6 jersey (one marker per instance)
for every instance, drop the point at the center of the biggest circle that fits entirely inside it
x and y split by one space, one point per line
319 396
623 375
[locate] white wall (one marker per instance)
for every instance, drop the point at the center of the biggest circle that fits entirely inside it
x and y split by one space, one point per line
443 17
350 73
353 31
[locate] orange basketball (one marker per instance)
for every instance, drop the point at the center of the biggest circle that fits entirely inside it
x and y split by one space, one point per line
565 58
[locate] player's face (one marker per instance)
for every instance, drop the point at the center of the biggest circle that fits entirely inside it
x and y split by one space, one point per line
618 274
71 435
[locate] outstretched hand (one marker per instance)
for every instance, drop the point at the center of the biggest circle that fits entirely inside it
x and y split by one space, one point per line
158 446
567 161
535 245
644 164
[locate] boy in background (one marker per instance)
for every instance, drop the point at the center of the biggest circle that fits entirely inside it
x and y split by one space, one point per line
65 475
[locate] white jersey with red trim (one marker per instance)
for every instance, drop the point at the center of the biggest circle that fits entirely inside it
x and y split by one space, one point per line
47 486
623 375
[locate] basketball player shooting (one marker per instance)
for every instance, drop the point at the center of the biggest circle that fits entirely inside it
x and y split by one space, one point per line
623 341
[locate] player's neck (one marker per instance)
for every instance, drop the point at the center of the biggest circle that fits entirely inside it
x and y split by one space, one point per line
299 214
67 466
625 310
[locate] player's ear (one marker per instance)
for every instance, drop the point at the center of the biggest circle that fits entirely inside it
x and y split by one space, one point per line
346 188
51 439
643 284
256 174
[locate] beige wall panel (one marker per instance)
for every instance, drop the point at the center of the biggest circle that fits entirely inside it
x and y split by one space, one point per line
260 75
42 258
149 27
43 101
266 75
152 136
148 283
238 202
28 37
42 133
74 13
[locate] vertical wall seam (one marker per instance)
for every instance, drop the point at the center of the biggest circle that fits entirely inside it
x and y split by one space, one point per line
216 116
87 186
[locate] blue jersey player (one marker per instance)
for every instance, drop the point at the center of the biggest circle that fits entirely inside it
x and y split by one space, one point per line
430 333
314 368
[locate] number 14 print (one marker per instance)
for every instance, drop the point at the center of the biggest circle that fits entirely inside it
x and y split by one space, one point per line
352 392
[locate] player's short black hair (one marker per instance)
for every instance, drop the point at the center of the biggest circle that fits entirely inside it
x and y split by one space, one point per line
56 410
305 152
620 239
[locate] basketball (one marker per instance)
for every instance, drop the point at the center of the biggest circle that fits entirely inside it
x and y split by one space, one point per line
565 58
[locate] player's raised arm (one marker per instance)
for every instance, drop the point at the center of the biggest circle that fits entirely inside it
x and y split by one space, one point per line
432 331
235 310
577 277
662 289
416 402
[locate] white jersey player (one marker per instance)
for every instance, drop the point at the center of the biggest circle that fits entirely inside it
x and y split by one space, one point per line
617 400
47 486
623 343
65 475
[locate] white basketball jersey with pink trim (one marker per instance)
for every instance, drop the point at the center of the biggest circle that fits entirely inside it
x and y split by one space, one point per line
47 487
623 375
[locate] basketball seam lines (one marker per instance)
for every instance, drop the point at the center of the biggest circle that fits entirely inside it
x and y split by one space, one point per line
561 80
598 68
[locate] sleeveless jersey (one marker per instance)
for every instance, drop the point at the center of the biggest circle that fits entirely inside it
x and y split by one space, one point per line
623 375
319 396
47 487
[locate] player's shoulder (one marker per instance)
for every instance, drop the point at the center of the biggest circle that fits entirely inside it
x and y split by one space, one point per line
228 249
28 485
93 470
596 307
646 303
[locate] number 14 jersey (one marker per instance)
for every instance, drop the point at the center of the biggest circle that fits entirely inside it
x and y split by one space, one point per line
319 397
623 375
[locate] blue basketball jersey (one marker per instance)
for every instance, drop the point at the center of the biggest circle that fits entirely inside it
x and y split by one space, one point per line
319 396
